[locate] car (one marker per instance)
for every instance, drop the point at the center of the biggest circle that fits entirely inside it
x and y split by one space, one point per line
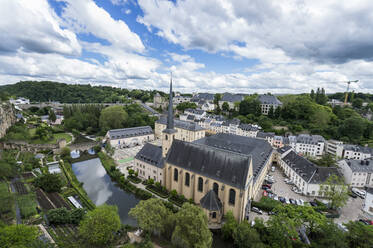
256 210
275 198
313 204
281 199
269 191
292 201
265 193
273 169
360 193
269 181
271 213
352 194
366 222
267 185
287 200
300 202
270 195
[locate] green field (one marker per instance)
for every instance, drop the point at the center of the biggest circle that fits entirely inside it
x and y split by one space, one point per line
56 136
126 160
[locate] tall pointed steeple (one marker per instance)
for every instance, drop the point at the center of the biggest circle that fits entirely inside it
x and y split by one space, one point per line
170 116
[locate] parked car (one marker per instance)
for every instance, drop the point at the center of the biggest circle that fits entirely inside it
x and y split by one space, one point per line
366 222
313 204
287 201
267 185
358 192
269 181
256 210
270 195
292 201
273 169
352 194
300 202
282 199
276 198
269 191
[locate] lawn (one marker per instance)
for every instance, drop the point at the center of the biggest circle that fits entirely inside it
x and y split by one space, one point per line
56 136
27 205
126 160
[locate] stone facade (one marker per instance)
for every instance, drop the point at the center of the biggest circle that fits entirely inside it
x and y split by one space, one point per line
7 118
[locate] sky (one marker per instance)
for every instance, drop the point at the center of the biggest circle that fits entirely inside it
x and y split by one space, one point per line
240 46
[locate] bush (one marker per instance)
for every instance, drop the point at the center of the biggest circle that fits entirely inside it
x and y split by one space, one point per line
134 179
64 216
177 199
49 182
161 191
266 204
27 205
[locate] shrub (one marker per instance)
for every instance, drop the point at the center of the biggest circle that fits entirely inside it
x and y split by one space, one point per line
266 204
64 216
49 182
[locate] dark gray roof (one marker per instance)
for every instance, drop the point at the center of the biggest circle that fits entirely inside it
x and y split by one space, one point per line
151 154
234 121
129 132
360 165
204 96
195 111
309 139
310 172
190 117
211 201
264 135
357 148
149 109
228 97
283 149
192 126
248 127
370 190
259 150
269 99
222 165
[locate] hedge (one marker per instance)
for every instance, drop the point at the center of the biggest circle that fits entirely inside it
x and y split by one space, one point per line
158 191
134 179
267 204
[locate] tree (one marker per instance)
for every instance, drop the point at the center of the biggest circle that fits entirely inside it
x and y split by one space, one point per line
312 95
359 235
49 182
246 237
113 117
151 215
52 116
326 160
225 107
271 112
229 226
100 225
357 103
335 190
44 133
328 236
184 105
191 228
18 236
250 105
217 98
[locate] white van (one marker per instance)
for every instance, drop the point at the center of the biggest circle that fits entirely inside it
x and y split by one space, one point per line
273 169
360 193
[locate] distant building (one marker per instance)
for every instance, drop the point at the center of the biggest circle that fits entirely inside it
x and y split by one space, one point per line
20 100
149 163
230 126
54 167
311 145
357 173
334 147
207 106
268 101
247 130
159 101
357 152
231 99
268 136
335 102
368 205
305 175
197 113
180 99
128 137
187 131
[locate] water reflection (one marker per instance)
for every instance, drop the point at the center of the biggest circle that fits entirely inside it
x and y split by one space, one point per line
101 189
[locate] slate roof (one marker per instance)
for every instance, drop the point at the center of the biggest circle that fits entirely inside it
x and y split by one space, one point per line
151 154
284 149
309 139
187 125
356 148
360 165
248 127
264 135
211 201
195 111
204 96
228 97
269 99
129 132
310 172
222 165
259 150
190 117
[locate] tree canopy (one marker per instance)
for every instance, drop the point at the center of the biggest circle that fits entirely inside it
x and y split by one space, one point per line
20 236
113 117
49 182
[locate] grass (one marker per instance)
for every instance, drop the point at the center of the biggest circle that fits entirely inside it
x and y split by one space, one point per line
27 205
56 137
7 212
126 160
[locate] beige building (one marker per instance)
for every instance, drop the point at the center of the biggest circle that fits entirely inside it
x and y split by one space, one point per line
159 101
186 131
149 164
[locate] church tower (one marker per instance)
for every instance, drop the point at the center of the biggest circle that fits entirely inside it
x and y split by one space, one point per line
168 134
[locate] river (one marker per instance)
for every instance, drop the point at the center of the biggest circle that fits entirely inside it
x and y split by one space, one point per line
101 189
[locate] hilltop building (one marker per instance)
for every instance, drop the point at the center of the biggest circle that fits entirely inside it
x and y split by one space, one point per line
268 101
231 99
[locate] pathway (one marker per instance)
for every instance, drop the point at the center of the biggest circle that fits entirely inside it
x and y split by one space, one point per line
18 212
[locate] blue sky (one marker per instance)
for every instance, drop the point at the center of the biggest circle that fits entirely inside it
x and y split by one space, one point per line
210 45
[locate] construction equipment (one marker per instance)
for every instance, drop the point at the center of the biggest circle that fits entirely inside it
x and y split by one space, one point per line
348 88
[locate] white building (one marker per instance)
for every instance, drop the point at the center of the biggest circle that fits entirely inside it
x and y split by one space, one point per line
197 113
334 147
267 136
207 106
305 175
180 99
20 100
231 99
268 101
248 130
149 163
357 173
311 145
368 205
357 152
128 137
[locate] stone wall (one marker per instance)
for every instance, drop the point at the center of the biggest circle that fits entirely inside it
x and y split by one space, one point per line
7 117
24 146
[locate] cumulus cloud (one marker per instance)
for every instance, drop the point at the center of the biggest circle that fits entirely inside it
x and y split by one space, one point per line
33 27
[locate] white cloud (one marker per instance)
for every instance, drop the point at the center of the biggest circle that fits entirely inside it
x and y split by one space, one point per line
84 16
33 26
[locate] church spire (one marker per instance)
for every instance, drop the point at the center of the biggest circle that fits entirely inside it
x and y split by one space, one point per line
170 116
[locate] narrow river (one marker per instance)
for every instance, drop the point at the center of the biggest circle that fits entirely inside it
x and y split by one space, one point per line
101 189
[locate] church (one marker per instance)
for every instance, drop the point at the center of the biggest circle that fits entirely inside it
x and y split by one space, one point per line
221 173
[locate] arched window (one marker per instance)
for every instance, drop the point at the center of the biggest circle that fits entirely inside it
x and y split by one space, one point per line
166 137
187 179
200 184
232 196
216 188
176 175
214 215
